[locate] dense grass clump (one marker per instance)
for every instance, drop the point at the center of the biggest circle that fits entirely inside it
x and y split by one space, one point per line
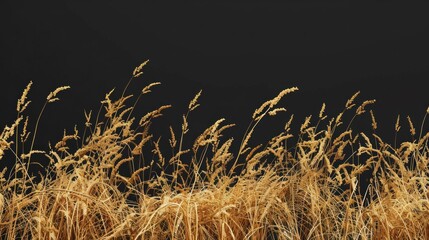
277 190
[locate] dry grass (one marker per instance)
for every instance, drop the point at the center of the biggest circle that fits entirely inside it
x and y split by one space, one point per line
310 190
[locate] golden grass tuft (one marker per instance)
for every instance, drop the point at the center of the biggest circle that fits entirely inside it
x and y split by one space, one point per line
120 183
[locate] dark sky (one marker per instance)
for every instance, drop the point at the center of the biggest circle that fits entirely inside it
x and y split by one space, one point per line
240 53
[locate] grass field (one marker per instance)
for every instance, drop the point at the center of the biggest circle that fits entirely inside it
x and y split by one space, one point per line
114 180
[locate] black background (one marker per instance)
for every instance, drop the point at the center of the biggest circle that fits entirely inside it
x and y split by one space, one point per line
240 53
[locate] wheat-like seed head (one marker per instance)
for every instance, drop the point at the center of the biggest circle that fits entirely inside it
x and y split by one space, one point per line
184 125
287 125
350 103
275 111
25 134
397 125
22 104
361 109
153 114
193 104
276 100
258 114
322 110
338 119
172 140
412 129
138 70
52 95
305 124
147 89
374 123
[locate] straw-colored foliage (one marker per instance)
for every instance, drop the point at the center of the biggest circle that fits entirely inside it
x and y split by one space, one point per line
121 182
